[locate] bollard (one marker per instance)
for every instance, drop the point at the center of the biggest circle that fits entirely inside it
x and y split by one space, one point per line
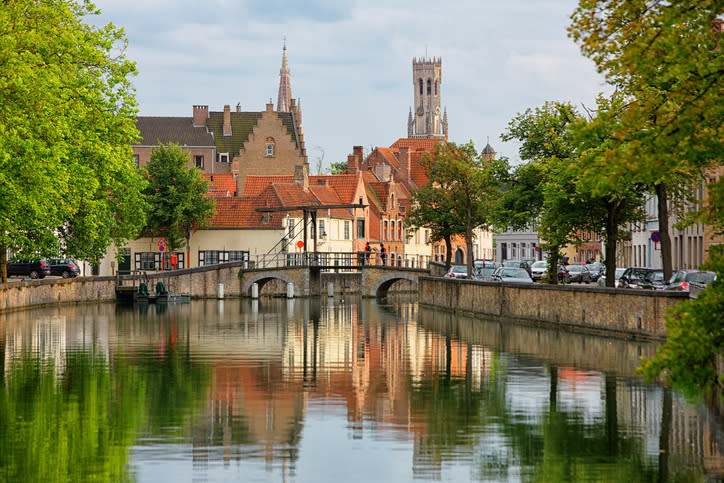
255 290
290 290
220 291
330 290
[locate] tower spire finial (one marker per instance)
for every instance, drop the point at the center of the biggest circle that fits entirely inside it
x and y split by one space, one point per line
285 90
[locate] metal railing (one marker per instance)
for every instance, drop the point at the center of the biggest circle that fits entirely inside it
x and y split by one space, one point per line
342 261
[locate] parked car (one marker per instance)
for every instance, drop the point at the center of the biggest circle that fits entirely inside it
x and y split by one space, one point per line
517 264
595 268
579 273
511 274
22 268
640 277
538 270
682 280
484 272
602 279
63 267
457 271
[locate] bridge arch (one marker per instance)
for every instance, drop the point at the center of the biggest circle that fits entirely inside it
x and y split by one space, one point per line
263 278
382 284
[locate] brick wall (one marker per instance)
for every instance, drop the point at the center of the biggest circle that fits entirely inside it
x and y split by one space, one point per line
632 312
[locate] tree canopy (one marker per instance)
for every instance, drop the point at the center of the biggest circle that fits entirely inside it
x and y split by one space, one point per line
175 196
68 184
460 196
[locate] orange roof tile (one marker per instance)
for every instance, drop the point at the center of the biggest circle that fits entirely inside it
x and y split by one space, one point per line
416 144
253 185
221 184
390 156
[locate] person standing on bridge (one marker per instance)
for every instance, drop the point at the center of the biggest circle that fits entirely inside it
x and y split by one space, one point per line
367 253
383 251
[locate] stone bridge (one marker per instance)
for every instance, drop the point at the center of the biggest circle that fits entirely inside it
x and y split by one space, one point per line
374 280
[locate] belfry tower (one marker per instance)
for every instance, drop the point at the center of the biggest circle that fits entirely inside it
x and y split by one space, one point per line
284 101
425 119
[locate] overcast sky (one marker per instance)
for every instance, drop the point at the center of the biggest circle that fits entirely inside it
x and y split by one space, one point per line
351 62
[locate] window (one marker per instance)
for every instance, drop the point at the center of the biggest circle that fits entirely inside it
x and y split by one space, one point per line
322 232
435 87
199 161
148 260
290 232
360 228
346 230
384 230
399 230
429 87
238 255
420 80
223 157
212 257
270 147
136 160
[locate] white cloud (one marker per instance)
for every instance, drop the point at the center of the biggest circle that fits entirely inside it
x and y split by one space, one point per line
351 61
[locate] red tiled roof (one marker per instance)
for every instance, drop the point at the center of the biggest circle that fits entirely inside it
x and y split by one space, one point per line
390 156
344 184
416 144
255 184
241 213
417 171
221 185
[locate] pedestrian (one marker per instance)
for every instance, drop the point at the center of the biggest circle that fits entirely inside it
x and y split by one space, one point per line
383 250
367 253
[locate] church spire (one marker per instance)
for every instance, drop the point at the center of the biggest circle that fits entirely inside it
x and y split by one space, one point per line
285 89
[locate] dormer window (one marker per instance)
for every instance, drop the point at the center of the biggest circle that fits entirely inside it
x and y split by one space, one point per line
269 147
223 157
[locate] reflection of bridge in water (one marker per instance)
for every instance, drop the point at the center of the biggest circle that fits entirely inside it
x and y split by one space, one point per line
371 275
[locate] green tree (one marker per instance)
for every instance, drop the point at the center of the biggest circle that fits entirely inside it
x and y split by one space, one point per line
462 190
338 168
67 119
665 58
545 193
613 204
176 196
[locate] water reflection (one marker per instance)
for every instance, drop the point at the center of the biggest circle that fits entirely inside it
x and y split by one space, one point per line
331 390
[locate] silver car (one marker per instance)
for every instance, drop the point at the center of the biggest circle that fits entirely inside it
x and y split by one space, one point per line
511 274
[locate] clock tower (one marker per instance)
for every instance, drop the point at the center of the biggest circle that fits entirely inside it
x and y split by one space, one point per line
425 120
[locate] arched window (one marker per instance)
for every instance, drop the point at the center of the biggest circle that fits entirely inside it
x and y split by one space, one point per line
429 87
435 87
420 80
384 230
393 201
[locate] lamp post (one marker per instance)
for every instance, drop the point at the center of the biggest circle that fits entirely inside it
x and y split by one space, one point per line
188 248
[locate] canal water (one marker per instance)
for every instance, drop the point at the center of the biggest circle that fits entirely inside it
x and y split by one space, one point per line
332 390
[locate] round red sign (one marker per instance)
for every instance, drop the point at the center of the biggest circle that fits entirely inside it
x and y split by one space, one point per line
300 244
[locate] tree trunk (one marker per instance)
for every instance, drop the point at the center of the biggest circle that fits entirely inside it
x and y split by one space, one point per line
469 242
611 240
553 265
448 251
3 264
663 198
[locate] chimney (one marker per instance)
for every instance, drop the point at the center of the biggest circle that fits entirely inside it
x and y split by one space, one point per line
201 114
352 165
404 160
238 107
269 107
227 120
301 176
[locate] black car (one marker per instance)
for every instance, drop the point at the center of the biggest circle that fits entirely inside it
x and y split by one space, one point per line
682 280
579 273
22 268
642 277
63 267
517 264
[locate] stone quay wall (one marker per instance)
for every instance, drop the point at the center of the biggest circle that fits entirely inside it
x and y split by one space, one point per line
623 311
37 293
